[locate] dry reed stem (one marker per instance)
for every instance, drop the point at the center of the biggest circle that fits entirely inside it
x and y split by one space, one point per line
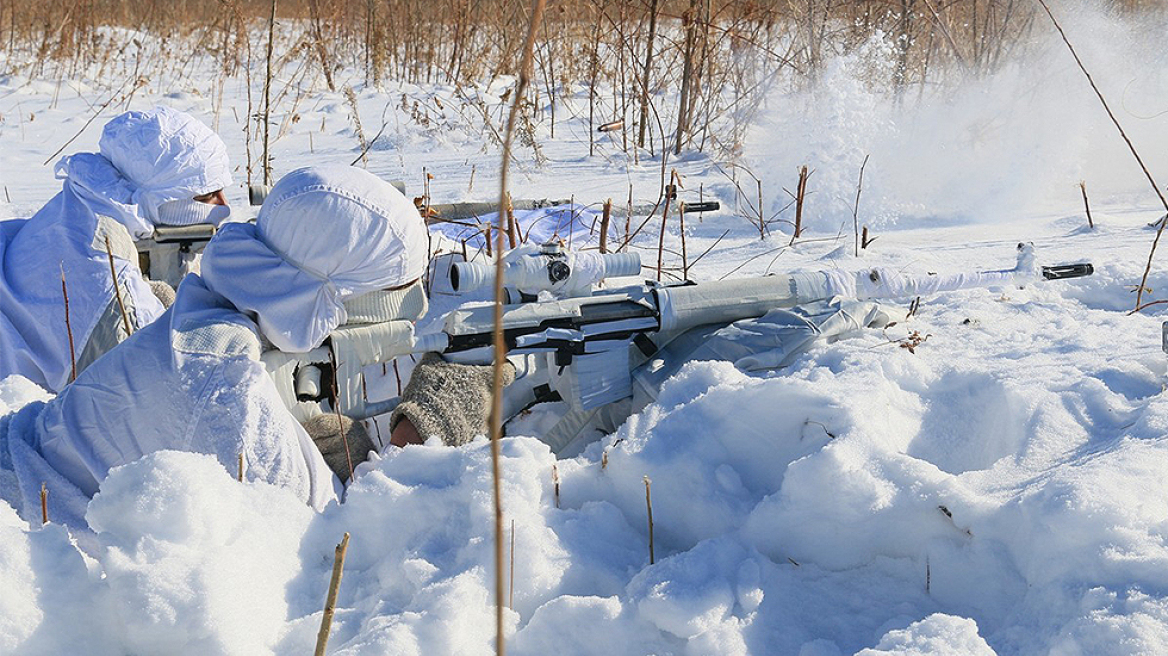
684 102
241 466
512 235
337 410
266 162
511 593
117 289
556 482
648 69
670 190
330 604
68 326
499 345
856 207
800 193
649 505
351 98
1086 205
604 221
44 504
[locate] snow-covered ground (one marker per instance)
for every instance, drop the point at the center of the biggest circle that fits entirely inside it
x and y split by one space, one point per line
999 488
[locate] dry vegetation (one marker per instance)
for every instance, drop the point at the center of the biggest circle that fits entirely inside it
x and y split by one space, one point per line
711 59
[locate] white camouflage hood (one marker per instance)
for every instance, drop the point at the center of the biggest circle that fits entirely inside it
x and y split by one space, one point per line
323 235
147 159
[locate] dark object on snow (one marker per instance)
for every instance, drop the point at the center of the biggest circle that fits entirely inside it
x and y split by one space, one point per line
1064 271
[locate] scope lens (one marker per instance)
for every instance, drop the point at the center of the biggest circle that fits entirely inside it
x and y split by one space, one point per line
558 270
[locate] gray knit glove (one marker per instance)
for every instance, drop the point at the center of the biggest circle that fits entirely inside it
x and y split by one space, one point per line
449 400
162 291
327 436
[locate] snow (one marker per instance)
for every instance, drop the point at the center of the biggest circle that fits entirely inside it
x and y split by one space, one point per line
997 490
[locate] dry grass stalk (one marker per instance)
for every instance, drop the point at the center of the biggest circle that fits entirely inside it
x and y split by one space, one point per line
512 233
800 195
685 108
649 505
266 163
681 226
426 178
117 288
337 409
856 207
44 504
556 483
351 98
645 79
511 593
628 221
68 327
330 604
670 193
864 240
319 43
604 221
928 575
241 466
1086 205
500 346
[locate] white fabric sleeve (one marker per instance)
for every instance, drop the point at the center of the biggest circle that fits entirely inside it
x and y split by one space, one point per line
241 413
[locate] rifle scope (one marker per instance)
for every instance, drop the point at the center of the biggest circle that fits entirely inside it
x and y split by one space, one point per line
257 193
549 269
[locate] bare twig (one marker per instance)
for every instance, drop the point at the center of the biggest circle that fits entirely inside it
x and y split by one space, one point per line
800 194
856 209
68 327
512 233
266 163
649 506
511 594
604 220
645 80
1086 205
337 410
330 604
117 288
499 345
556 482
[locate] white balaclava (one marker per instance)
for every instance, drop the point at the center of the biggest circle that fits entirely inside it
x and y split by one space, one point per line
151 165
323 236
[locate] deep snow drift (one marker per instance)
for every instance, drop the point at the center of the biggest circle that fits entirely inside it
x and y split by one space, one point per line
998 488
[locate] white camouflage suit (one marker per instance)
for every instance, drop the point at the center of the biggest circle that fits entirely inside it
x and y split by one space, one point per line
148 160
193 380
